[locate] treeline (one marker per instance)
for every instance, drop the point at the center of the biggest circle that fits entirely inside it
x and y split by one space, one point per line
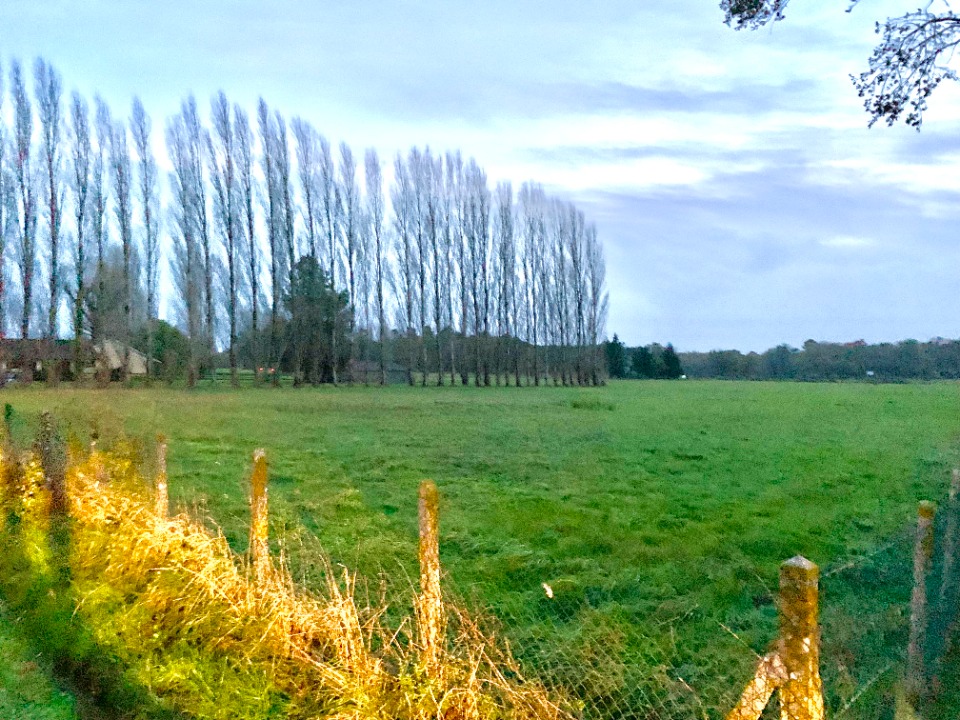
269 246
649 362
814 362
824 361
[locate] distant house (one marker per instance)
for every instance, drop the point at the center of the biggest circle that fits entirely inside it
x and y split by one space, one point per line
109 355
18 354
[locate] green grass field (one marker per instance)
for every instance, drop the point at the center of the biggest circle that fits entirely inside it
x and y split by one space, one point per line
26 693
659 505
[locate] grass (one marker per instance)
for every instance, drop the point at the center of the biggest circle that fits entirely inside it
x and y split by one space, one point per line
26 691
653 511
155 617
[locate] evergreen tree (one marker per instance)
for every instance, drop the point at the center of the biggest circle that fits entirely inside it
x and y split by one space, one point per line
644 364
318 319
671 363
616 353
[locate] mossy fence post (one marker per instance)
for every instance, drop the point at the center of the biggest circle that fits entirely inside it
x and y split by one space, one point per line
430 615
259 518
794 667
922 558
160 484
801 695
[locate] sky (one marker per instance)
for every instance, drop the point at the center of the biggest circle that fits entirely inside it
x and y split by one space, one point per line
740 197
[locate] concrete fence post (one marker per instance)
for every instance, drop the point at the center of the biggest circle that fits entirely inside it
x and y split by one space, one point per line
922 556
801 695
259 518
160 485
430 614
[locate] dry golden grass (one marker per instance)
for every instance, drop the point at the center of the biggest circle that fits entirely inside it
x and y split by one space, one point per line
173 590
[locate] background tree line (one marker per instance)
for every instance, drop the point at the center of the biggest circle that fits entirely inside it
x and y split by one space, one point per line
814 362
649 362
270 248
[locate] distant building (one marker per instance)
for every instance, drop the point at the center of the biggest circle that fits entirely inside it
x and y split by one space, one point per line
19 354
109 355
35 354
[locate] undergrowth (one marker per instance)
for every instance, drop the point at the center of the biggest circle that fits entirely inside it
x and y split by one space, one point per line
158 617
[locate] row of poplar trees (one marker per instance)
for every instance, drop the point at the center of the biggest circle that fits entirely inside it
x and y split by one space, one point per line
432 273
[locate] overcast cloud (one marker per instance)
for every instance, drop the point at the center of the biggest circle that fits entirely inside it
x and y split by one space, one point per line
740 197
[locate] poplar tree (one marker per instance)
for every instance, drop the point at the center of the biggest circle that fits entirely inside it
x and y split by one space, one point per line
81 158
268 142
121 177
221 149
186 263
308 158
196 144
48 89
373 178
506 251
330 202
140 127
250 247
26 204
5 200
405 252
349 221
99 200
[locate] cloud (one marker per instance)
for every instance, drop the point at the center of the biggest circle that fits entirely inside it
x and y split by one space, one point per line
742 200
846 241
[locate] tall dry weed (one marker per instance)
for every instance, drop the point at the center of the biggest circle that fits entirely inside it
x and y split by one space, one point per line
176 603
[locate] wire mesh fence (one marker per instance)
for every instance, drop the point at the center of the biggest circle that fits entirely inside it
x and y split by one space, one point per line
884 641
684 661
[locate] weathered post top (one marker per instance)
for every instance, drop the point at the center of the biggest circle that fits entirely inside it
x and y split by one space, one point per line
798 565
428 515
258 479
429 499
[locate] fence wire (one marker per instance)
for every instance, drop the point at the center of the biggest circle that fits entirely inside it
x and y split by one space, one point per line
685 662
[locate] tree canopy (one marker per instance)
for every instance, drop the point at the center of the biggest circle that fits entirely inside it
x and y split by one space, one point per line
907 65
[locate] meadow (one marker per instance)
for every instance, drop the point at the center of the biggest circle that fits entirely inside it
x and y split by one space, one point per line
636 528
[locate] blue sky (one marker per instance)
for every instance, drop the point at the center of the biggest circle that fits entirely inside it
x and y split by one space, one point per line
740 197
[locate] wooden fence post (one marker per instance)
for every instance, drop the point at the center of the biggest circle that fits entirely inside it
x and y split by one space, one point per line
53 458
801 695
259 547
947 593
922 556
162 496
430 614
